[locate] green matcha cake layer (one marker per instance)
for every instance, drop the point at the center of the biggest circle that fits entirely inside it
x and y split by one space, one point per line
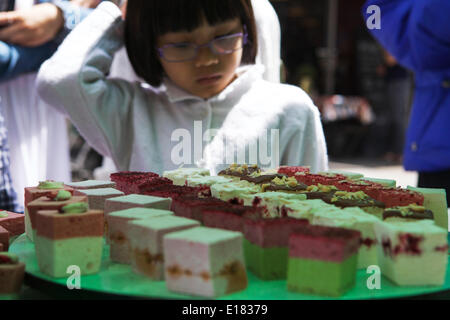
139 213
55 256
164 222
321 277
266 263
100 192
137 199
204 235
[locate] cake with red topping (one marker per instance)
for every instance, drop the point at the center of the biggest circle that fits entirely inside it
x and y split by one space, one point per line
127 181
266 245
322 260
151 184
293 170
172 191
398 197
12 272
324 178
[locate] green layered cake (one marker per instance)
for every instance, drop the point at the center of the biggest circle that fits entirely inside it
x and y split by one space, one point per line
72 236
322 260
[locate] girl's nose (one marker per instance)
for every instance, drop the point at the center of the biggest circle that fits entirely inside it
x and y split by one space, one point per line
206 57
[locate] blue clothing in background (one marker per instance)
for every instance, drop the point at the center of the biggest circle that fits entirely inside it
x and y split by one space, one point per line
16 60
417 34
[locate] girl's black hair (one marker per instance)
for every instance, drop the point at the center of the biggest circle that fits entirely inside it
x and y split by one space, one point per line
148 19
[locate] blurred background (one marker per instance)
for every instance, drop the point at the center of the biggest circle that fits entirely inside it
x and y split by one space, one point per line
363 95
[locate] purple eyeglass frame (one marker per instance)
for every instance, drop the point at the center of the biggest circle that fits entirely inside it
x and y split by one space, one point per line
244 35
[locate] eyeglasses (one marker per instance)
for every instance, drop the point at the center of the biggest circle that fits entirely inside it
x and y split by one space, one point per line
186 51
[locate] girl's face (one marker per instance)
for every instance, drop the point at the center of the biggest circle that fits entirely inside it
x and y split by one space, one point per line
208 73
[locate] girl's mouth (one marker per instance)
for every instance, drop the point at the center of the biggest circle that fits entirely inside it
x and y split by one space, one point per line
209 79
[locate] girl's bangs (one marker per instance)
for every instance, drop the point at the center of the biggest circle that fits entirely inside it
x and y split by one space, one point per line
187 15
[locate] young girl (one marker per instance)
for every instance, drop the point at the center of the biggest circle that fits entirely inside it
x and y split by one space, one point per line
206 103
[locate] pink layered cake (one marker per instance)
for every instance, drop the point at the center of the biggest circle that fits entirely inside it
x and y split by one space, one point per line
266 245
70 236
146 243
193 207
4 239
324 178
118 230
97 197
293 170
322 260
204 262
32 193
13 222
91 184
229 217
127 181
50 203
12 272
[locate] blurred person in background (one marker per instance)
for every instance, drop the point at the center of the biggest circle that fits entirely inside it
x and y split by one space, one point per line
416 33
37 133
399 90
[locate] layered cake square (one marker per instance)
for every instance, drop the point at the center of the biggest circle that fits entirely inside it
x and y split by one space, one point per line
236 171
230 192
269 202
204 262
136 201
97 197
146 243
411 212
13 222
229 217
344 199
172 191
117 230
284 184
91 184
397 197
412 253
436 201
12 273
150 184
32 193
322 260
70 236
355 219
205 181
193 207
180 175
50 203
127 181
266 246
